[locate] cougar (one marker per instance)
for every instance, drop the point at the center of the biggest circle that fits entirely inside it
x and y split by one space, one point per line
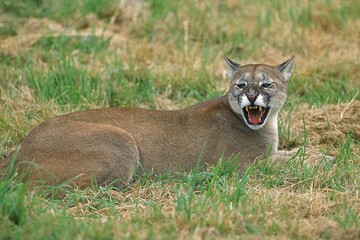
114 143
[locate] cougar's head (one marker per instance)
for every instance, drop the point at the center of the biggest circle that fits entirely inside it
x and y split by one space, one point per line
258 91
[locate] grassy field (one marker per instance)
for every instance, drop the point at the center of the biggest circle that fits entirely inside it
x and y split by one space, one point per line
63 56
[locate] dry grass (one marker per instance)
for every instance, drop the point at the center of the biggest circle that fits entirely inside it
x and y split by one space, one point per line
327 126
309 210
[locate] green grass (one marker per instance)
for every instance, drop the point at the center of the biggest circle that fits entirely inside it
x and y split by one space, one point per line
219 198
169 55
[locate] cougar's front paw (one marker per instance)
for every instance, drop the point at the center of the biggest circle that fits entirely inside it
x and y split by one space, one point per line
319 159
292 151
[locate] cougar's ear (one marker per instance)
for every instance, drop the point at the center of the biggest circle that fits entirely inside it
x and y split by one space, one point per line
231 67
285 67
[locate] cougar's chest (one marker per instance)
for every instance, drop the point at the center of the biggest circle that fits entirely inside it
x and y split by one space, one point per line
249 144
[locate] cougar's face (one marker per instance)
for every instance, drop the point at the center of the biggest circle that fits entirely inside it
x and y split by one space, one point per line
257 93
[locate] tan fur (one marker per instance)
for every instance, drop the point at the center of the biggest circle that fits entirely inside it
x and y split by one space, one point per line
107 144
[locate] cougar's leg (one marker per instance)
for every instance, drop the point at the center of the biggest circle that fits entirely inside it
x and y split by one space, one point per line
282 156
311 159
91 153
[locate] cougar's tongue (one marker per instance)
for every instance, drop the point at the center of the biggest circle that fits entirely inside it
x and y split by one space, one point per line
255 116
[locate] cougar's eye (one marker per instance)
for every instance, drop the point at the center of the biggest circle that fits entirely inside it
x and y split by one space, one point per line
266 85
241 85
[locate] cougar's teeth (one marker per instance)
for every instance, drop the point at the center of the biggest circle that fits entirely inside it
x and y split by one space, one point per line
247 108
253 107
260 108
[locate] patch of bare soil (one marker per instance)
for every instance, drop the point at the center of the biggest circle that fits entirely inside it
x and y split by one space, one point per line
328 125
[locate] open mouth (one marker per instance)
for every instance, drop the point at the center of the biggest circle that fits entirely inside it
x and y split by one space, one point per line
255 115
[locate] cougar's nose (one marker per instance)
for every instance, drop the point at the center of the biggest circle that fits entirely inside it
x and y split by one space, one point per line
252 97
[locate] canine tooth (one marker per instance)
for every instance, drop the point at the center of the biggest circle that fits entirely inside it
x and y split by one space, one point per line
247 108
260 108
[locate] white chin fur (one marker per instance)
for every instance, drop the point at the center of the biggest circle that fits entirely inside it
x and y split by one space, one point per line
255 127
